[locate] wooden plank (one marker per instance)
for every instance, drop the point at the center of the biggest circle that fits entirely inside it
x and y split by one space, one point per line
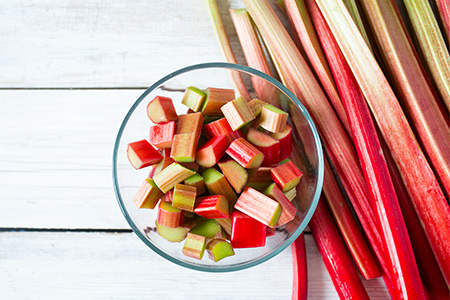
56 156
119 266
93 43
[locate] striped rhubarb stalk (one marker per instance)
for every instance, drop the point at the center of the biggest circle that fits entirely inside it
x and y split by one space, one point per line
429 201
398 249
227 51
443 7
254 54
432 45
299 79
304 28
300 283
411 83
339 265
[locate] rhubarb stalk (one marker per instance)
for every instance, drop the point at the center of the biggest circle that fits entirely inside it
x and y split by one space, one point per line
227 51
432 45
339 265
411 82
426 194
300 284
254 54
299 79
304 28
398 249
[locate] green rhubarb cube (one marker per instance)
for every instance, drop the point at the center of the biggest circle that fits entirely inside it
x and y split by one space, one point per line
193 98
209 229
184 197
194 246
219 249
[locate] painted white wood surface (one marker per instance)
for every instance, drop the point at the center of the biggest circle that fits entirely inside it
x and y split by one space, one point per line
76 265
56 151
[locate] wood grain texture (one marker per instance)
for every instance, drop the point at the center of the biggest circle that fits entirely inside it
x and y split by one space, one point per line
119 266
96 43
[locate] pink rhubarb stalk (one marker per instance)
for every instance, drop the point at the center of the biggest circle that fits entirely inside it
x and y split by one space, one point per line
429 201
227 51
300 284
398 249
299 79
339 265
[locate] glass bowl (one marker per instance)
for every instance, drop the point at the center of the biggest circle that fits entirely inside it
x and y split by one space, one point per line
307 150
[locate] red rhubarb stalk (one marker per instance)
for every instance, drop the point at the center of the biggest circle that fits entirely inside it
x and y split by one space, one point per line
299 79
429 201
339 265
398 249
300 284
304 28
348 226
411 83
227 51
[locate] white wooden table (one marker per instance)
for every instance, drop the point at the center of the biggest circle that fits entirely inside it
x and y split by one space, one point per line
69 71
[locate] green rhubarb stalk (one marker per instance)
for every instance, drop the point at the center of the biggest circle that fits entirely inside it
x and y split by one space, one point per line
227 51
305 31
432 45
299 79
352 8
426 194
411 83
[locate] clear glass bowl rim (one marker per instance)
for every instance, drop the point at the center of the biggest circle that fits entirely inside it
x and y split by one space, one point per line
309 214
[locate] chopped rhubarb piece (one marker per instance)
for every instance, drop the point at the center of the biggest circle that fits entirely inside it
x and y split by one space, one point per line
213 207
272 118
259 178
184 147
142 154
286 176
237 112
217 184
161 109
198 181
193 98
209 229
285 138
168 197
184 197
211 152
148 195
246 232
169 216
176 234
161 135
219 127
215 99
291 194
166 161
259 206
268 145
171 175
255 106
219 249
194 246
235 174
190 123
245 154
225 223
288 210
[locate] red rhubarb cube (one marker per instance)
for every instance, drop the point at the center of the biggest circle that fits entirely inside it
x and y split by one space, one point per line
245 154
286 176
219 127
161 109
161 135
211 152
142 154
268 145
285 138
246 232
212 207
169 216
